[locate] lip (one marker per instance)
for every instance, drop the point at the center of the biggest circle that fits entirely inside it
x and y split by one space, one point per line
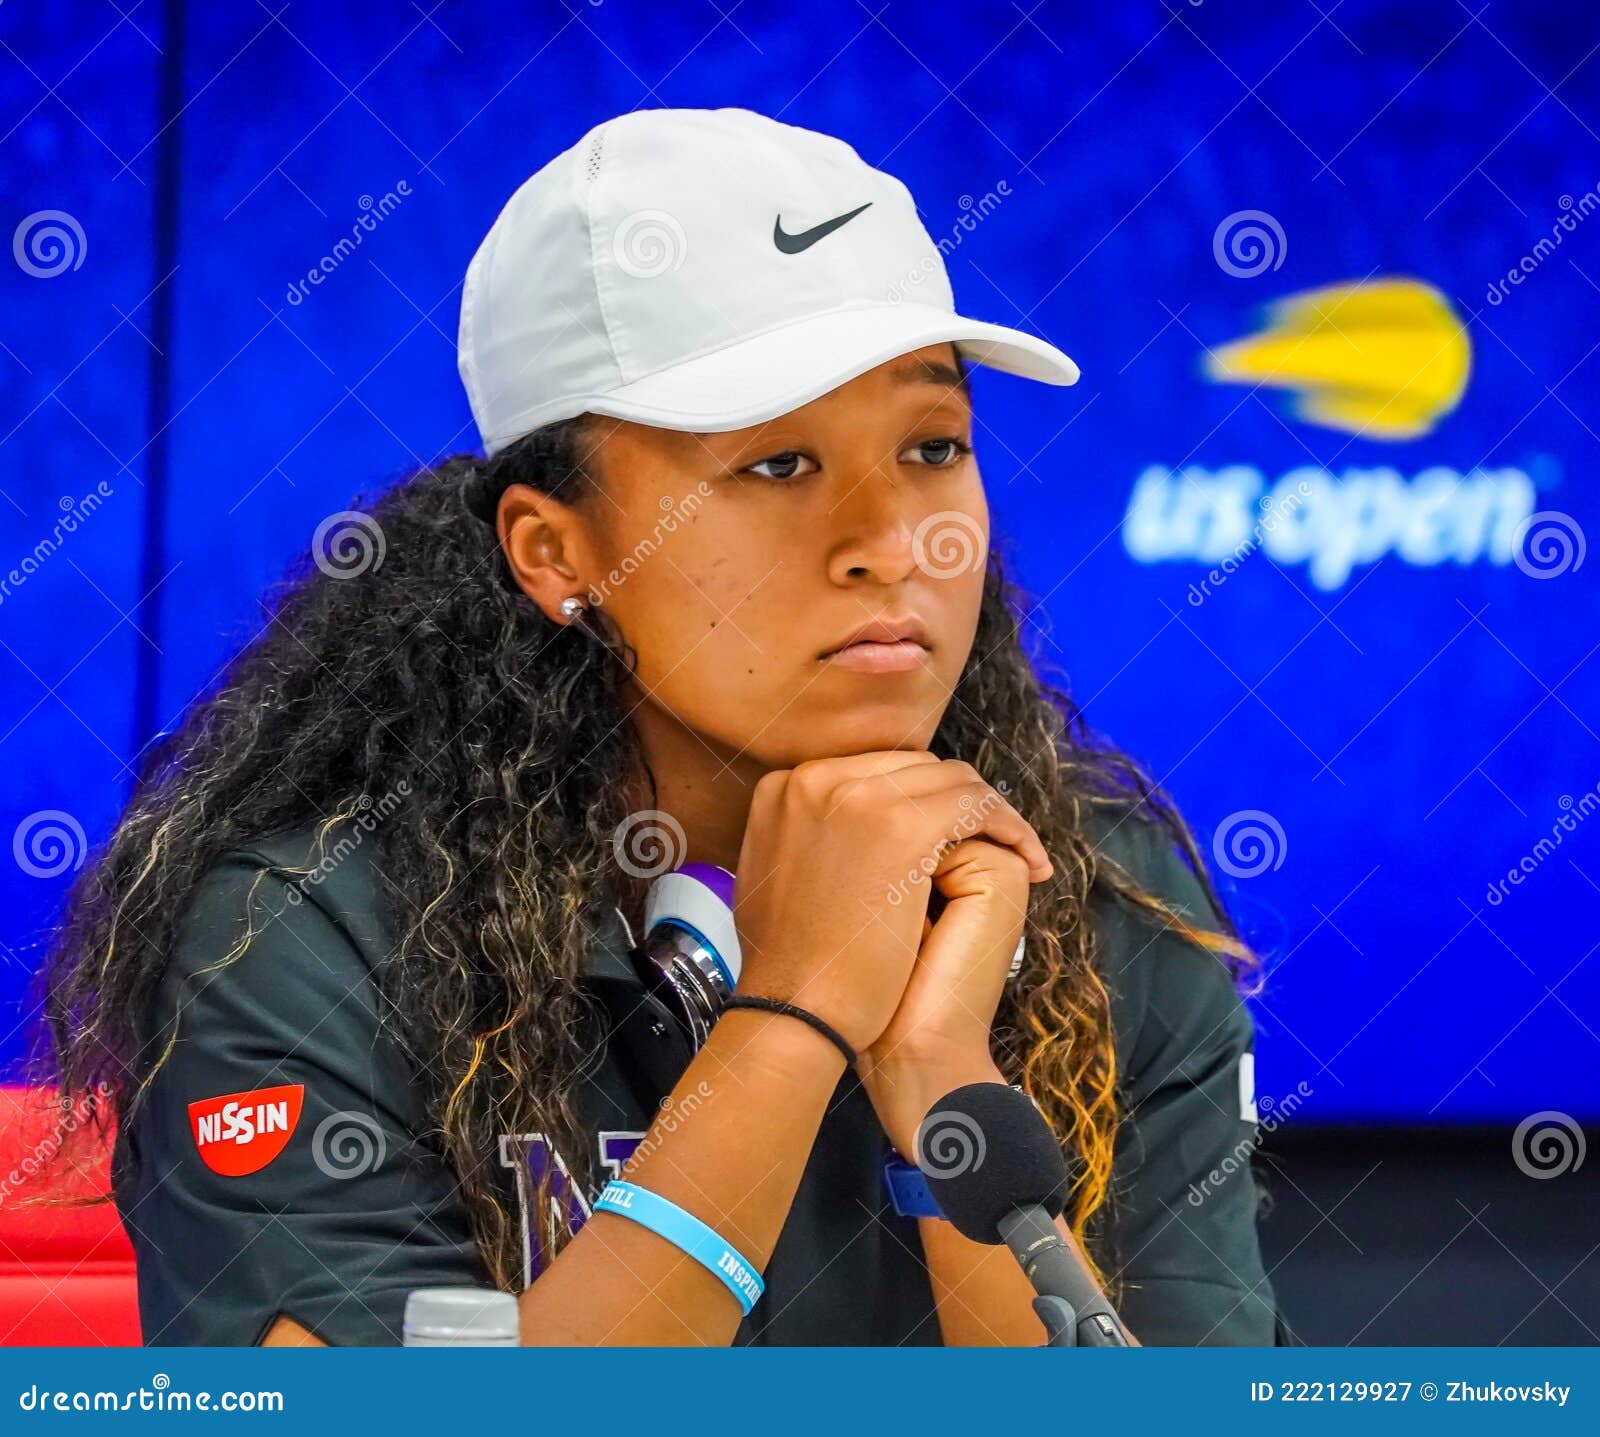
892 629
890 645
873 658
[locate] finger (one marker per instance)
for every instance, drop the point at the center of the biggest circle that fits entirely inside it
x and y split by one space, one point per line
839 776
840 770
853 767
980 867
959 806
767 798
986 895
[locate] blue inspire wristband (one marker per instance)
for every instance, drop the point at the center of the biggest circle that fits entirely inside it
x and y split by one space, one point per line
684 1230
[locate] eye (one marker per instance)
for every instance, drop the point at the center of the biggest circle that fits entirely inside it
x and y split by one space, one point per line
785 462
949 451
946 452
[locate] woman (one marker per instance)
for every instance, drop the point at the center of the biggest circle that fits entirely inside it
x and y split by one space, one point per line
355 966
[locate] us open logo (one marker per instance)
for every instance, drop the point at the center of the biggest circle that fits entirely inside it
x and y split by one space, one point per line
240 1133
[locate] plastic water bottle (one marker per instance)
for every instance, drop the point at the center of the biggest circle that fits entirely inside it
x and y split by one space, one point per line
460 1317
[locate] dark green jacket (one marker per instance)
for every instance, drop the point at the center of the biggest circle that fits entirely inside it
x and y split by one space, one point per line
315 1194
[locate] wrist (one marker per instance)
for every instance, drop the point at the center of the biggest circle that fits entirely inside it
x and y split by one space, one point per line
780 1046
903 1089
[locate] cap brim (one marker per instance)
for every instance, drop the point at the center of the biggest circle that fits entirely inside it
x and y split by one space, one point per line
769 374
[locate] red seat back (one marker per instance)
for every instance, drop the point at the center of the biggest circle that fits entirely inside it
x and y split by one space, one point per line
66 1272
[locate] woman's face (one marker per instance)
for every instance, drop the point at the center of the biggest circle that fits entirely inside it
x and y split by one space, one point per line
737 564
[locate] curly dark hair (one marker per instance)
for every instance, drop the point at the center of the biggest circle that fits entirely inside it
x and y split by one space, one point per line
498 747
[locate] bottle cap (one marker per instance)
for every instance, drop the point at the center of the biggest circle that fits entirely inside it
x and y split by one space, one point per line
460 1317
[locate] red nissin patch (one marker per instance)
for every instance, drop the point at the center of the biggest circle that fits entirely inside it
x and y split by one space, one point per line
241 1133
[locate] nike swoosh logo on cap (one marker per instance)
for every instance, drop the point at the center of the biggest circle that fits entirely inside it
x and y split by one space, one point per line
793 244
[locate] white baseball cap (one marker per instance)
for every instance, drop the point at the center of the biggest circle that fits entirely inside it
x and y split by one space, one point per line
706 270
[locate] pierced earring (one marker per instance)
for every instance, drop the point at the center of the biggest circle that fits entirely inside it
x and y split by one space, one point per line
572 606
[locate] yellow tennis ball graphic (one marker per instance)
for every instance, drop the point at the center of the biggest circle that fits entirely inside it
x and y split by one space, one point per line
1385 359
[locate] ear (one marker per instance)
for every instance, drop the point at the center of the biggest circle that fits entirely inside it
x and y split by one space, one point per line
544 544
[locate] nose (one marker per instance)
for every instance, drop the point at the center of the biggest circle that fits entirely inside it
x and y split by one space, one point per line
874 523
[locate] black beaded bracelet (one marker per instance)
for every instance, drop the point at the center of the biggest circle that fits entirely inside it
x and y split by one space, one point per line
789 1010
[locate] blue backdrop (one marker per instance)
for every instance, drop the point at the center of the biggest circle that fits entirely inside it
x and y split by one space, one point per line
1377 699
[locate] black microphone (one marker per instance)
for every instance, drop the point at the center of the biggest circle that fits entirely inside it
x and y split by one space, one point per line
996 1171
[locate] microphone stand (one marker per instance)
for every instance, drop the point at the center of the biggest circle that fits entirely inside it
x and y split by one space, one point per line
1074 1312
